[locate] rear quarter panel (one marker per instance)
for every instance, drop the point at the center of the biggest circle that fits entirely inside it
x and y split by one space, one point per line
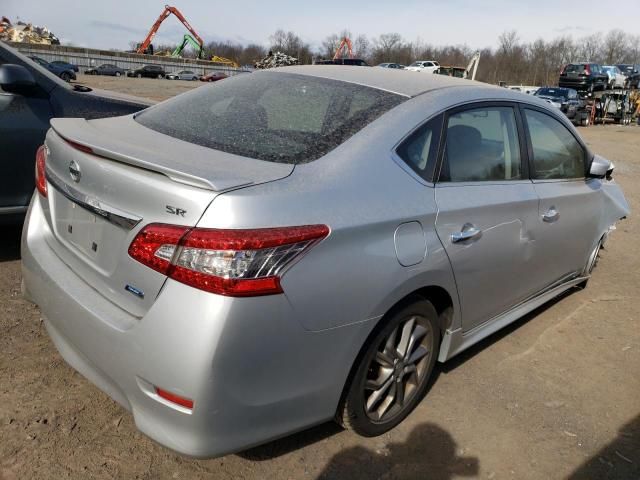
363 195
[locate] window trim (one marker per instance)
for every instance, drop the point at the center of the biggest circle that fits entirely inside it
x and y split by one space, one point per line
530 161
524 159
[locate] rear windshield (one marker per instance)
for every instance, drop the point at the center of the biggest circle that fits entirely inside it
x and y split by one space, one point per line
576 67
278 117
551 92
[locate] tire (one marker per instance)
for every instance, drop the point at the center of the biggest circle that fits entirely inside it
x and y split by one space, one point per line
159 75
585 121
118 74
139 75
371 404
65 76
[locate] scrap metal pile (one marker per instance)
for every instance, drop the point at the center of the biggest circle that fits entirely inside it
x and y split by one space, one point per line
277 59
26 33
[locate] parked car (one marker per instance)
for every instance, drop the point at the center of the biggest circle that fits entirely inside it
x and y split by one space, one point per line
632 74
149 71
66 65
616 79
566 100
32 95
390 65
427 66
230 275
213 77
182 75
583 76
66 74
357 62
106 69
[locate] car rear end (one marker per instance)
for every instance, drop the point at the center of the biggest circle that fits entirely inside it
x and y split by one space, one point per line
577 76
178 310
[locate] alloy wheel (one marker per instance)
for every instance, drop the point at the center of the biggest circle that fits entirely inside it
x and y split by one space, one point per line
398 369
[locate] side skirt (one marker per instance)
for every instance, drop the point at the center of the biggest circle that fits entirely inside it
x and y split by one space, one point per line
454 342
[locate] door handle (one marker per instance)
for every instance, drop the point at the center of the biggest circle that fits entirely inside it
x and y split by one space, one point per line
551 215
467 233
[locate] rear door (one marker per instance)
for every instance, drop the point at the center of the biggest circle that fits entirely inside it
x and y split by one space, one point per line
487 207
567 225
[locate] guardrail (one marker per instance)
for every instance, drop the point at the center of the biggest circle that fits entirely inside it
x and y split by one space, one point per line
87 57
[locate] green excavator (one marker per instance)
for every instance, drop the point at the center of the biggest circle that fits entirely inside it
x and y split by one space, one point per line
188 40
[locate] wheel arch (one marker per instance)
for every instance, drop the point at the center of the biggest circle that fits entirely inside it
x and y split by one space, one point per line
442 301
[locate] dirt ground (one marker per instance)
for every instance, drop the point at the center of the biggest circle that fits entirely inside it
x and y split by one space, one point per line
555 395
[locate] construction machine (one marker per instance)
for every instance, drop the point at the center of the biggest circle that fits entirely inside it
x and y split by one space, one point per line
225 61
187 39
472 66
344 43
147 48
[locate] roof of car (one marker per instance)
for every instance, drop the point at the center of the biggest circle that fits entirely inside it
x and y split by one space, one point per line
393 80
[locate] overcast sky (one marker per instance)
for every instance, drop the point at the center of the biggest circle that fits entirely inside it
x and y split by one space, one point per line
114 23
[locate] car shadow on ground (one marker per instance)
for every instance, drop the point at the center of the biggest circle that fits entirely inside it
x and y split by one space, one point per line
10 242
429 452
619 459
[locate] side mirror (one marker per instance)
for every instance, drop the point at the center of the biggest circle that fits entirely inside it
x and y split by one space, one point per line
600 167
14 78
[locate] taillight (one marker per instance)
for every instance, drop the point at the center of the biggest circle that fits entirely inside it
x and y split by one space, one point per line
564 70
237 263
587 70
41 179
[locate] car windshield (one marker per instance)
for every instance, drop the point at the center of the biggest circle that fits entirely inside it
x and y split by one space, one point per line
278 117
551 92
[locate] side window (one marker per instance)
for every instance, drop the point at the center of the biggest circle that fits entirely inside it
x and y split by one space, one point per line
556 152
420 149
482 145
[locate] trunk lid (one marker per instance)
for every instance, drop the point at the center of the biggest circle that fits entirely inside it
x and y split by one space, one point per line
98 201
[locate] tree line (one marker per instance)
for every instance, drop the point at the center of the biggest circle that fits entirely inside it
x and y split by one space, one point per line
512 60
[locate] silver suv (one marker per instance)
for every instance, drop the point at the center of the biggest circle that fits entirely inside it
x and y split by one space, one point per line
279 249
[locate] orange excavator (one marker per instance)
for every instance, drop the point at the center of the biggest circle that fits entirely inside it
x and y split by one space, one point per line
344 43
147 48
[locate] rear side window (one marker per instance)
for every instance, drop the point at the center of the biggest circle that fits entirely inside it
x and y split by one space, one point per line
482 145
420 149
556 152
278 117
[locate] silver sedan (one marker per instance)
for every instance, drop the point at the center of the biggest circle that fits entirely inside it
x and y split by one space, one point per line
280 249
182 75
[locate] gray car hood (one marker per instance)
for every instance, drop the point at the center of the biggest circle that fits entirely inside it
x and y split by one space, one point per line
125 140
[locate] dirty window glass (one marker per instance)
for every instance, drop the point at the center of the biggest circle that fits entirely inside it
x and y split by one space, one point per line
556 152
482 145
278 117
420 149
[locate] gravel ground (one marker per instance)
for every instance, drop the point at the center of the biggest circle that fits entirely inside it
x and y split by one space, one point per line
555 395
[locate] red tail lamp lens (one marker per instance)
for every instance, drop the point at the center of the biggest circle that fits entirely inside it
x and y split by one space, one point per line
41 179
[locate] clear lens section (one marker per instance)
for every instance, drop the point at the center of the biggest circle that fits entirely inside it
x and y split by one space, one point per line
239 263
165 252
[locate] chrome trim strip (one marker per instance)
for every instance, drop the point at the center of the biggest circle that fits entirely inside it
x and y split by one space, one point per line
11 210
111 214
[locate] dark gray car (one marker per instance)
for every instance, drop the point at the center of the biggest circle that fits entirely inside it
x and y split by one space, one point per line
29 97
106 69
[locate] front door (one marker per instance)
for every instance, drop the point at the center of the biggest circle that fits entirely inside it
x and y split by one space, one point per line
568 217
487 208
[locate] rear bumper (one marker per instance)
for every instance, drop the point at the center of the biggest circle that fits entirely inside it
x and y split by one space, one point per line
253 372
